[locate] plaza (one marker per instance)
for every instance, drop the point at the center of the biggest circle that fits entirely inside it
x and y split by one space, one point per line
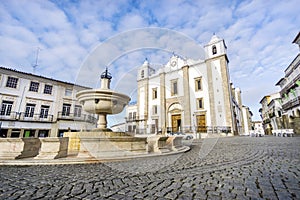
215 168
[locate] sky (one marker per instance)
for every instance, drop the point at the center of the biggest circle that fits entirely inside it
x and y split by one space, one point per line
61 37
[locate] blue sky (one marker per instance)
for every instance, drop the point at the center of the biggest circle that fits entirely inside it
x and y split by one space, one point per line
258 35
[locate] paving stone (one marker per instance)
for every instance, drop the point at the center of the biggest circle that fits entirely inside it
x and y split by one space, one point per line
235 168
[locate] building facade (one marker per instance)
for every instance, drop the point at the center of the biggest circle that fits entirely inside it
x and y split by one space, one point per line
270 112
290 93
187 95
36 106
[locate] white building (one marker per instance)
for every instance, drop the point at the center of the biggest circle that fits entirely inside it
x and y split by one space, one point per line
188 95
290 93
247 120
36 106
270 111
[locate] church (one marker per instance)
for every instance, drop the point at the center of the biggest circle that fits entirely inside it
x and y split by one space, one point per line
190 96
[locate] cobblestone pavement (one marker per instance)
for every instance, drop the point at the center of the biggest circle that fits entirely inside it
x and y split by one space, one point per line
235 168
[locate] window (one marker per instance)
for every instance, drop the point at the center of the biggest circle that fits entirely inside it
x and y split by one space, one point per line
134 115
34 86
66 109
174 89
214 50
200 103
68 92
154 109
44 111
29 110
77 111
12 82
142 73
130 115
6 108
154 93
48 89
198 84
129 128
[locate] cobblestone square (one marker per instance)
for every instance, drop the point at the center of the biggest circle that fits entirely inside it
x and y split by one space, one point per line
216 168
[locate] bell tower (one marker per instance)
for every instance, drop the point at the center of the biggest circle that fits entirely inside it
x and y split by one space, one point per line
219 83
215 47
144 72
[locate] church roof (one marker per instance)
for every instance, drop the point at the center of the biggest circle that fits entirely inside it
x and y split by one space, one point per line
214 39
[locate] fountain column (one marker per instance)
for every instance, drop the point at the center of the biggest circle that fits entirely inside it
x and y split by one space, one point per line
105 85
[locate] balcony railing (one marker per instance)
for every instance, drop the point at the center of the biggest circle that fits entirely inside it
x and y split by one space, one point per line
22 116
291 103
10 116
35 117
17 116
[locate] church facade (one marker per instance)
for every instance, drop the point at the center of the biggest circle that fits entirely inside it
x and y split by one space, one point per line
187 95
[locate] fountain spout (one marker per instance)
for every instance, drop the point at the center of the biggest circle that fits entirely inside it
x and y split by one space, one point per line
105 79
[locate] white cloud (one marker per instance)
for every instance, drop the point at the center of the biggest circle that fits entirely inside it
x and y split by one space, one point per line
258 35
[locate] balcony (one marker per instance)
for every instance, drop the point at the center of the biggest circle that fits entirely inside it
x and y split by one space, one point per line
291 103
35 117
10 116
16 116
76 117
292 100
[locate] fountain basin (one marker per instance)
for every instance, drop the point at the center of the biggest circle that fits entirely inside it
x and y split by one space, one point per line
102 101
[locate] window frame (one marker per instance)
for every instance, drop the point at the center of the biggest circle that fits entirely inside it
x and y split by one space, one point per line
44 113
68 92
198 81
200 107
154 93
48 90
12 82
6 107
29 110
77 111
66 109
154 109
174 90
34 86
214 50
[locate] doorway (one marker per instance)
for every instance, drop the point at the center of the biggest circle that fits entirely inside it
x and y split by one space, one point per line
176 123
201 123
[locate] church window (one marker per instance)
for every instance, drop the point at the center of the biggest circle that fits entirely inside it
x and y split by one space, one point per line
142 73
154 110
214 50
198 84
200 103
174 87
154 93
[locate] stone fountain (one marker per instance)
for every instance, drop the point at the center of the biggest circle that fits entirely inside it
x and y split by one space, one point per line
102 142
